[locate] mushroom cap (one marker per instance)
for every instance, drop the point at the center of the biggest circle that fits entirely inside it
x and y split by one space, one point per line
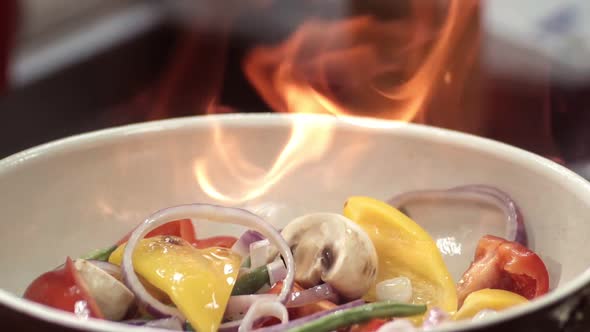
331 248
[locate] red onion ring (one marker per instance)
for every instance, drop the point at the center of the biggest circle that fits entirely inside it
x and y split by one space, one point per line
515 224
515 228
238 305
208 212
264 308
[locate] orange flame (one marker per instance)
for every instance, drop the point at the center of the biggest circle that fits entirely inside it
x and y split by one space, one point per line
248 181
363 66
357 66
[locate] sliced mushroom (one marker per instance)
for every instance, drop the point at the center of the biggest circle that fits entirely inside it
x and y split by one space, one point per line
111 296
331 248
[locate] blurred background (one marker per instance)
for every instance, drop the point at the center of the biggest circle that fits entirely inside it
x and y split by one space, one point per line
515 72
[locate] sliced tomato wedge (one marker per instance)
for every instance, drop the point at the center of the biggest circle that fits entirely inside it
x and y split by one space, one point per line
502 264
182 228
63 289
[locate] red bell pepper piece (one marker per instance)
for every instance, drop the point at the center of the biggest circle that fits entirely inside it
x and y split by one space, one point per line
502 264
370 326
184 228
64 289
215 241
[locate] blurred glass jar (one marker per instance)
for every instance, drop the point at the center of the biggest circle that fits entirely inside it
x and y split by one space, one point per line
537 64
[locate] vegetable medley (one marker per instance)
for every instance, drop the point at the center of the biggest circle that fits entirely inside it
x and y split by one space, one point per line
369 268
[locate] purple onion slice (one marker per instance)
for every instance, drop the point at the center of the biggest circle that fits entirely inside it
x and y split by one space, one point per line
242 246
238 305
260 253
515 228
206 212
276 271
312 295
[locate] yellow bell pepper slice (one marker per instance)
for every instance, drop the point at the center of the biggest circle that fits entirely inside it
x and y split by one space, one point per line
198 281
494 299
404 249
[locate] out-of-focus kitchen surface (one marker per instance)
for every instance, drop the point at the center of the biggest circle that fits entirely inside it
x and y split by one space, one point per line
74 62
53 35
76 66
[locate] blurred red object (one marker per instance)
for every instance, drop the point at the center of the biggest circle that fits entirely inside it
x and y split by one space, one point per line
8 25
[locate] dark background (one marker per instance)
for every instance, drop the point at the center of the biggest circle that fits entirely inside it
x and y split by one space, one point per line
110 89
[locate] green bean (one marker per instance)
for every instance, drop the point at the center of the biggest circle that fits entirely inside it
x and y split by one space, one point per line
252 281
247 262
100 254
360 314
